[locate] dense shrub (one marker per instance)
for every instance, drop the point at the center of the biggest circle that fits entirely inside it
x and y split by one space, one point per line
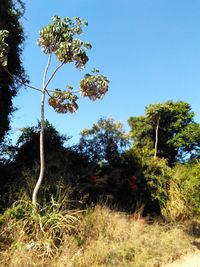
157 175
183 194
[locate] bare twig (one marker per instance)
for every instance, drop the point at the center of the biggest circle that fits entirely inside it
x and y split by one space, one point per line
44 85
51 77
19 81
48 91
54 91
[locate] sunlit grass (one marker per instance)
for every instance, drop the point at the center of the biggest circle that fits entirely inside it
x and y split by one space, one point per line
95 237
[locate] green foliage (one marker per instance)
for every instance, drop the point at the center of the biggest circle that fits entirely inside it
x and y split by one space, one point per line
23 166
158 176
29 141
118 183
176 189
178 134
104 142
10 55
184 198
60 38
188 141
142 143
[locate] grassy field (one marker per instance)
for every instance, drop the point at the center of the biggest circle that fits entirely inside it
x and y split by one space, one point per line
94 237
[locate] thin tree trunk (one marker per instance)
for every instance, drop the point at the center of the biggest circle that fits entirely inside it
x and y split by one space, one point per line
42 157
156 141
42 161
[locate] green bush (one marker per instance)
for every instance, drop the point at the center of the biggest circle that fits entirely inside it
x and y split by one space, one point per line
184 192
158 176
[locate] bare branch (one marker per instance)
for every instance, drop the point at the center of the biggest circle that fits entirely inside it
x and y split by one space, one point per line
44 85
75 92
19 81
48 93
54 91
54 74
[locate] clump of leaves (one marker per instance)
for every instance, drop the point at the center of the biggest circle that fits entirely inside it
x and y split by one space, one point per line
3 47
63 102
62 42
94 86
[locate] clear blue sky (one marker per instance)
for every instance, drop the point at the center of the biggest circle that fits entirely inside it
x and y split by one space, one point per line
149 49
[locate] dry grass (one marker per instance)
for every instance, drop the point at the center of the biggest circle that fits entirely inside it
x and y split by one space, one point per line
107 238
104 238
178 207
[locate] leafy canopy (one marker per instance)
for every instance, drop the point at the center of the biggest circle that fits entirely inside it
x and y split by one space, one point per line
178 134
105 141
61 39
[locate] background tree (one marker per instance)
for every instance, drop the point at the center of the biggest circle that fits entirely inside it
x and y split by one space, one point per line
104 142
62 161
10 14
114 176
166 130
29 141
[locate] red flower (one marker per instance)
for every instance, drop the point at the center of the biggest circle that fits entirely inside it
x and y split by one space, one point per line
133 178
132 183
93 177
133 186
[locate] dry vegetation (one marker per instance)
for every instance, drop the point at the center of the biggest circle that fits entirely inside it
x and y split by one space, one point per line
95 237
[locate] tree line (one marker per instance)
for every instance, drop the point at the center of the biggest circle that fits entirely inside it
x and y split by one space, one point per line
111 166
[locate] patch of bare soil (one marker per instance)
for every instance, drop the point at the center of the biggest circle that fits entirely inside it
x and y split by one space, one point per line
190 260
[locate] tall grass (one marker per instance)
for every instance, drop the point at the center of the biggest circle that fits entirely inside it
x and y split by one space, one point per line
96 237
27 235
108 238
183 200
178 206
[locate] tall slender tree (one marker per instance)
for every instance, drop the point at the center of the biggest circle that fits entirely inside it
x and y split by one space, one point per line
59 40
167 130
